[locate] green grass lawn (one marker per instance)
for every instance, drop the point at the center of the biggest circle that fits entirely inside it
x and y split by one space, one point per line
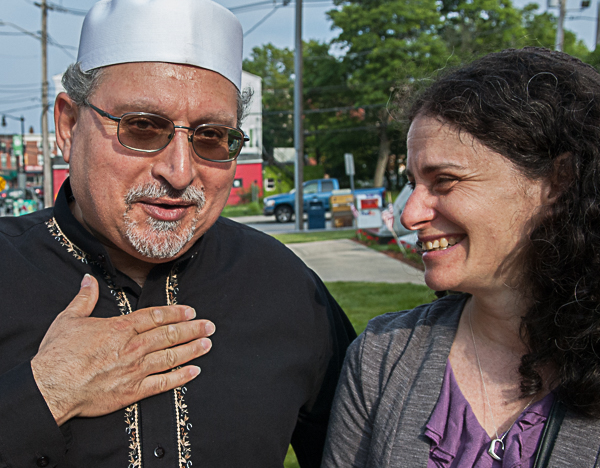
363 301
248 209
297 238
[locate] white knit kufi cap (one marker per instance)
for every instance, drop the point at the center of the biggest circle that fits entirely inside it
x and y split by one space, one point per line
194 32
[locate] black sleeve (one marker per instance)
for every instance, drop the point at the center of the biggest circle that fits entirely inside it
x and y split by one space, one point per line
29 435
309 435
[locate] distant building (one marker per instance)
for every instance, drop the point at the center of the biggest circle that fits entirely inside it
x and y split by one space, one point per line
33 161
249 170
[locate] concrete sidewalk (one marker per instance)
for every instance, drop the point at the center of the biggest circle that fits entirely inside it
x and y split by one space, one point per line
345 260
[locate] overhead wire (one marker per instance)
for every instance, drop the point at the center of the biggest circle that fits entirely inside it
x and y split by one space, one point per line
17 109
269 3
265 18
37 36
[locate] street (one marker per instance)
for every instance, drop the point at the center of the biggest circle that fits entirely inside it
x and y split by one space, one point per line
268 224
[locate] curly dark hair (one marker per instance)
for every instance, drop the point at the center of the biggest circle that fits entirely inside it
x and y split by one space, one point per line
541 110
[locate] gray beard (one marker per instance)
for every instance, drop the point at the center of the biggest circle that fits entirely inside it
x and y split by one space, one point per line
157 239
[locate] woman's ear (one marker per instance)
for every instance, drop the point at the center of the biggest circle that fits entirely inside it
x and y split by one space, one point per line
560 179
66 113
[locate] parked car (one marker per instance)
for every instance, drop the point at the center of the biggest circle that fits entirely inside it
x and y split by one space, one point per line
25 200
282 205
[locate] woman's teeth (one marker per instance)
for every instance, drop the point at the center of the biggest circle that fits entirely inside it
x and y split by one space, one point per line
439 244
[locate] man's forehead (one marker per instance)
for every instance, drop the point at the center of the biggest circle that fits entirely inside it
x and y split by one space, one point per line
167 89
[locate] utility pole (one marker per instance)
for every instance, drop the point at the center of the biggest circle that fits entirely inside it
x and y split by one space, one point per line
298 126
560 32
48 185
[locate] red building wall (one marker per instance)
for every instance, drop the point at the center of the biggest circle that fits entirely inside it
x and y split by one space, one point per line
245 175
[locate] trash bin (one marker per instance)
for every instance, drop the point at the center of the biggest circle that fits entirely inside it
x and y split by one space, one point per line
316 214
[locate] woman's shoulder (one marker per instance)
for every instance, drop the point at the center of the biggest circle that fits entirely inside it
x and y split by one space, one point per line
443 312
409 333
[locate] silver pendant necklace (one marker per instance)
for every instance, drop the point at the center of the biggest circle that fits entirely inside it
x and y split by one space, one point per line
498 440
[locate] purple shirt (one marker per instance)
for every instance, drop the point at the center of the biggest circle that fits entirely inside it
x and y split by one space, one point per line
458 440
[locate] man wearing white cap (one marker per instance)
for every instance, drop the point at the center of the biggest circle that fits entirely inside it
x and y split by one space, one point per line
104 371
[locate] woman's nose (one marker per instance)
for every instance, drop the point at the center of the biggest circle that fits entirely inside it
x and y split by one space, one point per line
418 210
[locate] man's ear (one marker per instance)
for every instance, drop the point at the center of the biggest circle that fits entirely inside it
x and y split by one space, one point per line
66 113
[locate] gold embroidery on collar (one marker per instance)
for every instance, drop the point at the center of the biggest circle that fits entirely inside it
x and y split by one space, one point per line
132 411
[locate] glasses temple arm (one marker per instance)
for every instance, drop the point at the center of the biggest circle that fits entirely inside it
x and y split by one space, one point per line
102 113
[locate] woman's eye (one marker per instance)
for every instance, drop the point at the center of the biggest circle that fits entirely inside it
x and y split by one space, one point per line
445 183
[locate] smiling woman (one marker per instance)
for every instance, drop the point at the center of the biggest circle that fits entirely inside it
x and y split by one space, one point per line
503 157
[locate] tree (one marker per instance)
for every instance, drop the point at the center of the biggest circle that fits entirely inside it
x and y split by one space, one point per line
473 28
385 49
541 32
386 43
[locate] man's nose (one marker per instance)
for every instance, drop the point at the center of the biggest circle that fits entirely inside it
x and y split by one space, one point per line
419 209
176 162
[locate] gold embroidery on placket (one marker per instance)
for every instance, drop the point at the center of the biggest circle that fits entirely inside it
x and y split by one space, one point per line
132 411
181 410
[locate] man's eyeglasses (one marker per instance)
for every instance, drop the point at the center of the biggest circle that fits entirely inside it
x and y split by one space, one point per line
148 133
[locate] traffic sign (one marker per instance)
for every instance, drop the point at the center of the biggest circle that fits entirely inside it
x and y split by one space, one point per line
2 184
17 145
349 163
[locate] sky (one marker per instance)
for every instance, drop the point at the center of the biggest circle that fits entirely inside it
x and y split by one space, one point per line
262 21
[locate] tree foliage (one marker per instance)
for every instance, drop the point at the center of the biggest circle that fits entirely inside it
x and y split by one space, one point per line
385 49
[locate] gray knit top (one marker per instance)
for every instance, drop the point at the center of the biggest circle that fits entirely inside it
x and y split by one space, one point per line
390 385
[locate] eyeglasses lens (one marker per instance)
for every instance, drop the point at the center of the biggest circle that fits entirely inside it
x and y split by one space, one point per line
217 143
146 132
149 132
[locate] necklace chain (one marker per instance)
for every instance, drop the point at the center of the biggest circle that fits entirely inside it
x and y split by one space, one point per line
498 439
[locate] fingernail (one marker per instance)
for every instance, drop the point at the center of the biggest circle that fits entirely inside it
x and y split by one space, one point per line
190 313
206 343
209 328
86 281
194 371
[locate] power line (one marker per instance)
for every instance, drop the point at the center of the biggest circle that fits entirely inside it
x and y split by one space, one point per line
265 18
339 130
10 100
8 111
64 48
19 92
24 85
61 9
250 7
270 3
325 110
39 37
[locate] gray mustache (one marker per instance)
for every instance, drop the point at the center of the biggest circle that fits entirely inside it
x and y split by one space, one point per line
188 194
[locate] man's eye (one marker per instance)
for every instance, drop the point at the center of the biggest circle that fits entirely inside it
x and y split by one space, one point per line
210 135
142 124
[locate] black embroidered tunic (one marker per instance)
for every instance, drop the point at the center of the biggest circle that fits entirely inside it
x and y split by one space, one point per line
268 379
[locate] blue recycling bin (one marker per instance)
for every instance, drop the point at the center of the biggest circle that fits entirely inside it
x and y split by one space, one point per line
316 214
